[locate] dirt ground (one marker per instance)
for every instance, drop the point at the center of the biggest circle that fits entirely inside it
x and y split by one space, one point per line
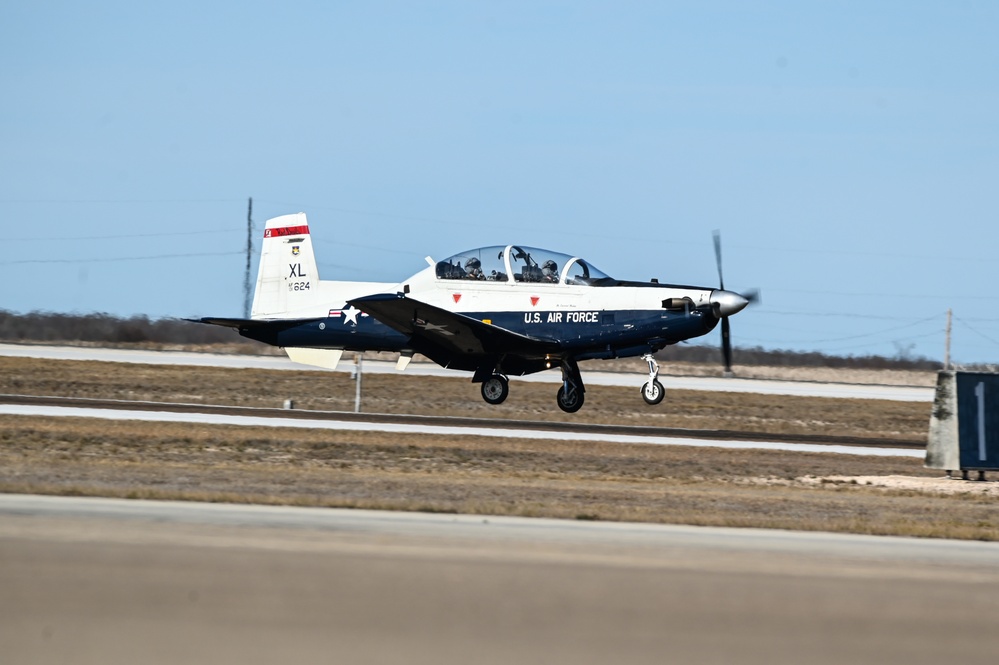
391 393
937 484
572 480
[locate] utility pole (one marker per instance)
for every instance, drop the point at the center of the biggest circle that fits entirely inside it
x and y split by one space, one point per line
358 364
249 257
947 343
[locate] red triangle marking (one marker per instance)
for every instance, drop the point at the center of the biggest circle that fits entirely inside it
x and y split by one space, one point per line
456 296
534 300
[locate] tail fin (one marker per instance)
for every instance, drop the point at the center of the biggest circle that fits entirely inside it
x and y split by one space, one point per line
288 278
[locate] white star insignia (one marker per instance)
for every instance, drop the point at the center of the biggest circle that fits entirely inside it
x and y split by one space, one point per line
350 314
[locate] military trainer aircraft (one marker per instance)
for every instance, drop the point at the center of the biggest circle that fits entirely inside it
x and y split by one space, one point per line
494 311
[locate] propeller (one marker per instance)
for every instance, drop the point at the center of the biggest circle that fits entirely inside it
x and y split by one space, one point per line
717 237
727 303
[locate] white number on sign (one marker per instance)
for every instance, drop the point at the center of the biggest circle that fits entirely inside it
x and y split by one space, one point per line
980 394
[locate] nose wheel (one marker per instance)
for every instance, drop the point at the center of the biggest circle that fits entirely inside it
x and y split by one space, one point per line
653 392
495 389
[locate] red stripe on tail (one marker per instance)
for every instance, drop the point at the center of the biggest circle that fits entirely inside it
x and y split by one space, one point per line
286 231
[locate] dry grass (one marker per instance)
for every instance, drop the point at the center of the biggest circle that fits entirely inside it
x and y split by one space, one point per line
392 393
489 476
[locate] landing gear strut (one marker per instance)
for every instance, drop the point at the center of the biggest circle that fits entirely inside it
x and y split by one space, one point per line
653 391
570 395
495 389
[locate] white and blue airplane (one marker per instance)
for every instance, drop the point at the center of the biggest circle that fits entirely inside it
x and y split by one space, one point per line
494 311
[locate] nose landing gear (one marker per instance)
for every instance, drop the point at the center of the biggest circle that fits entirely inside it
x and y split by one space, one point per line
653 391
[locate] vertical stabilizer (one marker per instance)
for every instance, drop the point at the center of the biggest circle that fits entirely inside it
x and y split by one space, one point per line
288 278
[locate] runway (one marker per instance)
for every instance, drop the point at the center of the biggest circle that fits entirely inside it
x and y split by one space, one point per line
115 581
624 379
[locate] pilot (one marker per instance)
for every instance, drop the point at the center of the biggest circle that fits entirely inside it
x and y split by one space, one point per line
549 271
473 269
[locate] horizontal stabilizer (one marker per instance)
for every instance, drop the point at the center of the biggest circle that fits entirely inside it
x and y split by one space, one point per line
255 324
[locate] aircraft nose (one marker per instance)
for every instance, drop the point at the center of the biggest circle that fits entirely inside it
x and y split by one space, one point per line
727 303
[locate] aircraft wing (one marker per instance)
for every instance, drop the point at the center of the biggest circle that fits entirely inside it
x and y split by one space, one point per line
448 331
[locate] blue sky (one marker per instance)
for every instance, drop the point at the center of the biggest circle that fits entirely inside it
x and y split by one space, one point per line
847 151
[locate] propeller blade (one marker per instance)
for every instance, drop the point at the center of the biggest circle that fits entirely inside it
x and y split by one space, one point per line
753 296
726 334
718 260
727 304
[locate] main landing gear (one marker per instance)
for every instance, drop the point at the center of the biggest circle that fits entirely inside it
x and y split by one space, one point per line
570 395
653 391
495 389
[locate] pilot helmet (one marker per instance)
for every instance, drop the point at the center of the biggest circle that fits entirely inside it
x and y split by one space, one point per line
550 266
472 264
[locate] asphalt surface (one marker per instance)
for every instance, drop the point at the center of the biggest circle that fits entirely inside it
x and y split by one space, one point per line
116 581
626 379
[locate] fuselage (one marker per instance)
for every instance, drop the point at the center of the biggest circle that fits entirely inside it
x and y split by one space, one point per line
606 319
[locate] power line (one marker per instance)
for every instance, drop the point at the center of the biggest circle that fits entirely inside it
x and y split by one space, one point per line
847 252
126 201
904 339
875 333
977 332
920 296
119 236
864 345
438 220
337 243
576 232
529 229
120 258
451 222
830 314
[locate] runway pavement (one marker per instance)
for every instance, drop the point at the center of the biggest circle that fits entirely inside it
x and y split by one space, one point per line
116 581
625 379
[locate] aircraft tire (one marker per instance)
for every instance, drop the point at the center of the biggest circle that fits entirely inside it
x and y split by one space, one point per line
570 405
653 392
495 389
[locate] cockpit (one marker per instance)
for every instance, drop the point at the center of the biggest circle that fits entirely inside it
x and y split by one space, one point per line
521 264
